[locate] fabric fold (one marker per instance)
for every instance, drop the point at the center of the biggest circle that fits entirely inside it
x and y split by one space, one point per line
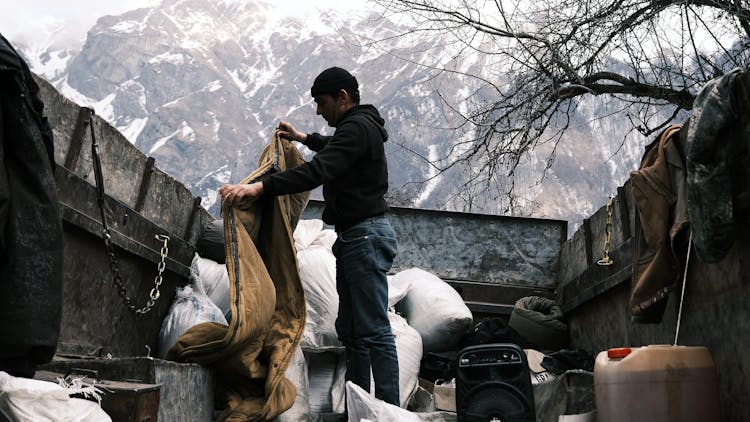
267 302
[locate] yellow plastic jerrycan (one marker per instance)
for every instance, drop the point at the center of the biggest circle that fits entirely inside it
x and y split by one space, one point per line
656 383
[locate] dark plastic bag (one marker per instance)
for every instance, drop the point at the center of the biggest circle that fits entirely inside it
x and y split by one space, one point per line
211 242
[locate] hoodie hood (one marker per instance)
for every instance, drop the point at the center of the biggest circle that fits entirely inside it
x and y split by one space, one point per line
370 113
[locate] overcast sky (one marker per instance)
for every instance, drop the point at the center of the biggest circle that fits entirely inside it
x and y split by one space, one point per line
21 19
29 17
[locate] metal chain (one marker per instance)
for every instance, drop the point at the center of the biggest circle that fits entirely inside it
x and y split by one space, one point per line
154 294
117 279
606 260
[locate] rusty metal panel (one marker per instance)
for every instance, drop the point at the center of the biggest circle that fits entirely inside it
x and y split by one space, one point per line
187 389
163 193
581 278
62 114
95 319
715 313
597 279
122 163
472 247
122 401
572 257
626 214
130 230
475 247
129 401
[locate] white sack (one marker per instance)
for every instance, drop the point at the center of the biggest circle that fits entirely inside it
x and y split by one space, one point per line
323 369
30 400
191 307
396 291
338 389
434 309
317 271
409 351
317 268
215 282
297 374
362 405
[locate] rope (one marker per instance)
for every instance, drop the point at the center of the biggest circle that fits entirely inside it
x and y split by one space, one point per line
682 295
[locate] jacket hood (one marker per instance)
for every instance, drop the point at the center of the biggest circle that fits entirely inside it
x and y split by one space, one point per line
369 112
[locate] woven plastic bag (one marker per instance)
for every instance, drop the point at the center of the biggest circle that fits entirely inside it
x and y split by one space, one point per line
317 270
434 309
30 400
191 307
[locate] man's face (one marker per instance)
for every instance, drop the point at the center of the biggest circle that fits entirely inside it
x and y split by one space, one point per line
331 107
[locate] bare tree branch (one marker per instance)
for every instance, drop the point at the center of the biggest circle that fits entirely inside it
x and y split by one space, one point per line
544 58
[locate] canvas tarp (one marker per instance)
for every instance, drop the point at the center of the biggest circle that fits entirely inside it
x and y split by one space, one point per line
251 355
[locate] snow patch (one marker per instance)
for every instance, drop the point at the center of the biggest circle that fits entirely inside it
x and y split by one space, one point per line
173 58
216 125
432 179
48 64
160 143
189 44
126 27
235 74
214 86
209 198
262 78
221 175
102 107
105 109
132 130
185 132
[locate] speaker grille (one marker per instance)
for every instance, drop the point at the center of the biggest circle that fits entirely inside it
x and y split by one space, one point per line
493 383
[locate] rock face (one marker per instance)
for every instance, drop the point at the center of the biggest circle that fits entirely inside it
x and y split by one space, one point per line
201 86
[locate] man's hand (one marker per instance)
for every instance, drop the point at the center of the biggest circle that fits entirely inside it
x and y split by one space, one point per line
287 131
234 194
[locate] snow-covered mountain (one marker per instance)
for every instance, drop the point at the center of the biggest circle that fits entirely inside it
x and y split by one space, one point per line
200 85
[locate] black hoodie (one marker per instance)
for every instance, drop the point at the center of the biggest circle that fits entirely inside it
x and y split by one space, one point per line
350 165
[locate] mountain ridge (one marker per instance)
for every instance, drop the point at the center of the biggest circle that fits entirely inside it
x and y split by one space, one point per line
200 86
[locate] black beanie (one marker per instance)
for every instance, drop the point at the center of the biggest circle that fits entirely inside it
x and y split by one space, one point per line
333 79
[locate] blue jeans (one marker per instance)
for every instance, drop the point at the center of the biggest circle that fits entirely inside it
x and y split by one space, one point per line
364 254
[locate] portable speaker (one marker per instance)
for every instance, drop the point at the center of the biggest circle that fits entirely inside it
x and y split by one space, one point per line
493 384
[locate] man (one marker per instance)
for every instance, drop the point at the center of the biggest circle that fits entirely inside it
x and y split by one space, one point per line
352 168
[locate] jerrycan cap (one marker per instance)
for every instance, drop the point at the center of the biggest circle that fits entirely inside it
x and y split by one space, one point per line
618 352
